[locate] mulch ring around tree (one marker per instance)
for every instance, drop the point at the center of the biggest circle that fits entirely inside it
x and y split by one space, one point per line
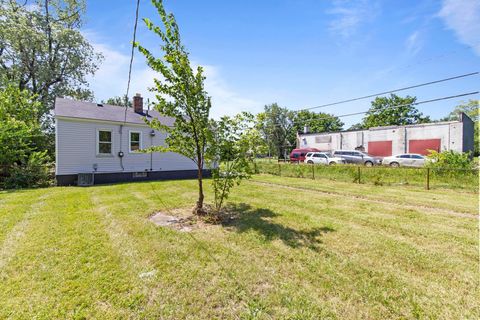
182 219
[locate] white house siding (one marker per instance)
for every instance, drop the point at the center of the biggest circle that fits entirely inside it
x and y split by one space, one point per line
76 149
452 135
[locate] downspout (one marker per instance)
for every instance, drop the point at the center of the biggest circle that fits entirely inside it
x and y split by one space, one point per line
151 153
405 141
449 142
120 152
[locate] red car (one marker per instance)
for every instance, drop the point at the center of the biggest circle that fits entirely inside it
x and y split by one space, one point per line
298 155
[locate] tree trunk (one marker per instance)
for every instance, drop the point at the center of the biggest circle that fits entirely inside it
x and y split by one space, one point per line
199 210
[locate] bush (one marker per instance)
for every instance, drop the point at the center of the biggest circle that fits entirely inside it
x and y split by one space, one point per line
36 172
450 160
23 159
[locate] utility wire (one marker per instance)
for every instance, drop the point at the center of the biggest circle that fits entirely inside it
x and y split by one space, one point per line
392 91
128 82
390 107
131 60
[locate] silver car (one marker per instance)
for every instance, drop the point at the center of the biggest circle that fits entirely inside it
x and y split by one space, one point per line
357 157
405 160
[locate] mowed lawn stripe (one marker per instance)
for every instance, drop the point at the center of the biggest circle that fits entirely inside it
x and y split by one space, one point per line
65 266
184 277
15 235
455 200
92 252
14 205
445 226
411 251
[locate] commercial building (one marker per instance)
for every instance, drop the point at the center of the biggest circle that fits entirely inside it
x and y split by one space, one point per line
386 141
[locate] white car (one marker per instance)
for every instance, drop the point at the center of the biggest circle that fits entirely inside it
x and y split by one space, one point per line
405 160
322 158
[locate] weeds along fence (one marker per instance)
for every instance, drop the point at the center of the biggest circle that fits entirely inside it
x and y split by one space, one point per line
376 175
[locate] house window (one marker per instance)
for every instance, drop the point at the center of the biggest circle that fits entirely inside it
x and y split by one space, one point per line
135 141
104 142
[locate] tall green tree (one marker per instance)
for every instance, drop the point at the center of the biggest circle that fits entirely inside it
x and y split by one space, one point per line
279 126
119 101
393 110
471 109
276 125
180 94
316 122
42 49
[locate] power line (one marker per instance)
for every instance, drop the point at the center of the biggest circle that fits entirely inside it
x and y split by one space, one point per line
131 59
398 106
128 82
392 91
390 107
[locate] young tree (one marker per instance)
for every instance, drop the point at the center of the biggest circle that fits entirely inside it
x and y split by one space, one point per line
180 94
42 49
393 111
236 143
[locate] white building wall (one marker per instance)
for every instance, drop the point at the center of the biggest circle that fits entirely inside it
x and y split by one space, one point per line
450 134
76 150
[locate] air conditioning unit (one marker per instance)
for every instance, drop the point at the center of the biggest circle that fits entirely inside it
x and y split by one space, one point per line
85 179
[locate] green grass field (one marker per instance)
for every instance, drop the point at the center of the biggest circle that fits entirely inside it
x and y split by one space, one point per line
300 249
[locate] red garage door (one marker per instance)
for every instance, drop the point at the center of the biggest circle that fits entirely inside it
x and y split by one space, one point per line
421 146
380 148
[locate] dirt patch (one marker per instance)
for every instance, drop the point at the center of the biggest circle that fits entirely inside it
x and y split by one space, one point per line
183 220
177 219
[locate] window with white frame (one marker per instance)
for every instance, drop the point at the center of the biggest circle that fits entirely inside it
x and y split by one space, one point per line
135 141
104 142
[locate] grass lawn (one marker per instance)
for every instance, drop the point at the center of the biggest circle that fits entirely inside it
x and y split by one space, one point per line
301 249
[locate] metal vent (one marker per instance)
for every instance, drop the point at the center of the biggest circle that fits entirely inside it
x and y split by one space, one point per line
140 175
85 179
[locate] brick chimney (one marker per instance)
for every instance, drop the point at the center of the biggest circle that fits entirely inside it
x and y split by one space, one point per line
138 103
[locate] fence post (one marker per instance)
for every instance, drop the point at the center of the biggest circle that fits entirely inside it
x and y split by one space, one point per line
279 169
313 171
255 169
359 174
427 180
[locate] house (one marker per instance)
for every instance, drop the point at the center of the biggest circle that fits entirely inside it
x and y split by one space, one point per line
101 142
386 141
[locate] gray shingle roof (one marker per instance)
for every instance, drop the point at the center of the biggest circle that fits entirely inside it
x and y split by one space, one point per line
88 110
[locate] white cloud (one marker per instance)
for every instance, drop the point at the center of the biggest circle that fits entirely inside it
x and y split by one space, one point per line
414 43
350 16
463 17
225 101
111 80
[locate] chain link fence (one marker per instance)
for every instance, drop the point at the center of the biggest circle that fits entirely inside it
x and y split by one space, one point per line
377 175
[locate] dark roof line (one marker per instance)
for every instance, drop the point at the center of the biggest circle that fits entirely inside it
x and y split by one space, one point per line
74 109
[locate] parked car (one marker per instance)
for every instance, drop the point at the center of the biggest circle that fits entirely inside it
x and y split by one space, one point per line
322 158
298 155
357 157
405 160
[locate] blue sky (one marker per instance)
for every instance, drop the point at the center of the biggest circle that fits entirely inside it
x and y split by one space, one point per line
300 53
